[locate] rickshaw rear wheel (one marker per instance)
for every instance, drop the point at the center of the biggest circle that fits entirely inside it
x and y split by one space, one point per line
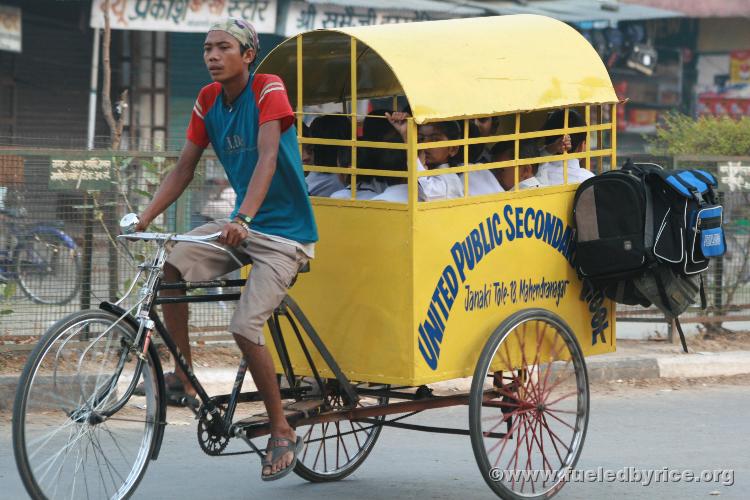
529 406
333 450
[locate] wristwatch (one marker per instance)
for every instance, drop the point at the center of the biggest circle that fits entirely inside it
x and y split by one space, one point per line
244 218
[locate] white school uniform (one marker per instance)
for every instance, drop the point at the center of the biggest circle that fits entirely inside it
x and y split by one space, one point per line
482 182
439 187
365 190
362 194
322 184
398 193
531 182
436 187
551 173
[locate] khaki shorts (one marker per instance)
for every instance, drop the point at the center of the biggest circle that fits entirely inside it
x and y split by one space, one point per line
275 264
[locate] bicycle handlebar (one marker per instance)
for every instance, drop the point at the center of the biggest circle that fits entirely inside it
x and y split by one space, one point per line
148 236
130 221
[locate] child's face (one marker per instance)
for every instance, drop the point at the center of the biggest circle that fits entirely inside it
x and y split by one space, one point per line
484 125
506 176
436 156
307 154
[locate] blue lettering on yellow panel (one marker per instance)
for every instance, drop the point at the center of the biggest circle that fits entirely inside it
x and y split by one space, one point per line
466 254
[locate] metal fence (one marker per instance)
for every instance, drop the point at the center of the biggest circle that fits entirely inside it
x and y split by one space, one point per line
58 217
59 213
727 282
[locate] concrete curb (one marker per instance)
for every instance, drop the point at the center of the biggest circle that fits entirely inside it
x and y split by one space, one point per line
604 368
705 364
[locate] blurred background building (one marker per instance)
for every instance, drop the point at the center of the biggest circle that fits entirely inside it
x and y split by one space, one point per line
663 55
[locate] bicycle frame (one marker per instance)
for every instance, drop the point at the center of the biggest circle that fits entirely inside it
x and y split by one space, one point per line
146 322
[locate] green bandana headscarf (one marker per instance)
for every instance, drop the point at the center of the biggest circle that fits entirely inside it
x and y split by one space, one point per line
240 29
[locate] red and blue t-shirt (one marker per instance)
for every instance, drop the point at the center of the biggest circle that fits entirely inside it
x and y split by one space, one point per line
232 130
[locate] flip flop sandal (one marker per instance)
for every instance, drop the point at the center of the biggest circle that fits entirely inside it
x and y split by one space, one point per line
279 449
183 400
171 383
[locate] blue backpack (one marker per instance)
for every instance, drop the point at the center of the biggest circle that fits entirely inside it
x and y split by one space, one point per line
645 235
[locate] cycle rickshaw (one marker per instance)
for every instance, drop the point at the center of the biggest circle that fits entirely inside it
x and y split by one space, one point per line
402 295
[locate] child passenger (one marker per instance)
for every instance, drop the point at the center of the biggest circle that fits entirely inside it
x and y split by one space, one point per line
308 158
482 181
486 126
328 127
374 129
437 187
551 173
504 151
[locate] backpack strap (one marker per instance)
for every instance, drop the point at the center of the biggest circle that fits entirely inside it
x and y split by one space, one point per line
682 334
665 301
648 232
620 291
707 178
704 302
691 188
710 181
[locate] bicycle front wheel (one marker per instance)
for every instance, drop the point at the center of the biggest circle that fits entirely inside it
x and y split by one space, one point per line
48 270
77 429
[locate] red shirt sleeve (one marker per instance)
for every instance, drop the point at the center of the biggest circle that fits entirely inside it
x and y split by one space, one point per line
196 132
272 100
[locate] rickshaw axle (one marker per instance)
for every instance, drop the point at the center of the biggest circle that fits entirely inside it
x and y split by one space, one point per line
363 413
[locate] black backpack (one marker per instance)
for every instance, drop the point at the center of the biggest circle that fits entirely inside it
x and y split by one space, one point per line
644 235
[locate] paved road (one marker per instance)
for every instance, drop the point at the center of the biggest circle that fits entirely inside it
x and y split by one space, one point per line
646 428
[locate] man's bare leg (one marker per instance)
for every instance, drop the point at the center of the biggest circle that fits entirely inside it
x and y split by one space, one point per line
176 321
264 375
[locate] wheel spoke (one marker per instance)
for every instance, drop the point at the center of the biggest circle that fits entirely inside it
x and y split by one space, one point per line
553 435
562 421
306 439
559 380
540 443
338 458
356 438
564 396
538 359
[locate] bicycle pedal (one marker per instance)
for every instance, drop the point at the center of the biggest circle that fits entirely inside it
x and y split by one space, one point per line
294 411
308 407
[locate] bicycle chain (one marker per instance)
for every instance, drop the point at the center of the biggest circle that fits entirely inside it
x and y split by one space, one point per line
211 437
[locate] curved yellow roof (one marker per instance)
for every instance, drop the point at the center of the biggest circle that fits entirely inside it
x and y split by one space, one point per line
457 68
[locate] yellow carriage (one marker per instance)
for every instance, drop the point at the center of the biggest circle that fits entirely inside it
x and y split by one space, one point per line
416 292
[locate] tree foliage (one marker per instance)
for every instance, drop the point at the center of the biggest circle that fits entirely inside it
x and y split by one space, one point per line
683 135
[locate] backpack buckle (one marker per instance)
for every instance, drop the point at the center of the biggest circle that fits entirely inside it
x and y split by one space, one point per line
697 195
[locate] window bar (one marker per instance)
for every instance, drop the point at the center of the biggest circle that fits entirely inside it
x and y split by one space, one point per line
517 155
565 153
353 100
466 157
600 137
588 137
411 142
613 136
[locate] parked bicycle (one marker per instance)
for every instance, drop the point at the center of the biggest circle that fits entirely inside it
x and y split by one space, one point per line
41 258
